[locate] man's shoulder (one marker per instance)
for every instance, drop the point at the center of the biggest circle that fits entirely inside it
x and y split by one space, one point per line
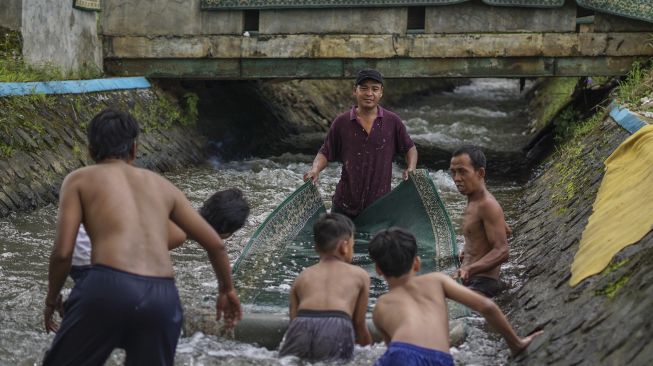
390 115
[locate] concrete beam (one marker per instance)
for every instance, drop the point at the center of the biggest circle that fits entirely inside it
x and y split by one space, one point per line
482 45
392 68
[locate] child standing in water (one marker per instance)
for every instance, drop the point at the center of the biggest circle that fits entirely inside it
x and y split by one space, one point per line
412 316
328 300
128 298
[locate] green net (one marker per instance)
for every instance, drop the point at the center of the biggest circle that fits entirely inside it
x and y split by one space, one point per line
283 245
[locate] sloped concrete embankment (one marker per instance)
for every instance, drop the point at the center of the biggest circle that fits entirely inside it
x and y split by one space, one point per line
43 138
605 320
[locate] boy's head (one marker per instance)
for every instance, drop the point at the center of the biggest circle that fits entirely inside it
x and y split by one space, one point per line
112 134
329 232
394 251
226 211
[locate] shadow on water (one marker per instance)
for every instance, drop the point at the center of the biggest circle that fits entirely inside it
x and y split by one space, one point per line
485 112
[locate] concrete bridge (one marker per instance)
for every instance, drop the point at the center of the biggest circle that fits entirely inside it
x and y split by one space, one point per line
251 39
184 39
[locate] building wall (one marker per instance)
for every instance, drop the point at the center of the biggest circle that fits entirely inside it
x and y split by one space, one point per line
476 17
334 21
164 17
11 14
57 35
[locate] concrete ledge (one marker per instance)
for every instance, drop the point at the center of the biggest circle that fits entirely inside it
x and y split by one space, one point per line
338 68
357 46
73 86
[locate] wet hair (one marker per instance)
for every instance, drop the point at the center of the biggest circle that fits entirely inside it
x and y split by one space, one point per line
226 211
111 134
475 155
394 251
331 228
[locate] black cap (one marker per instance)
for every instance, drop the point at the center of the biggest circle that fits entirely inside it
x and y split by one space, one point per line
372 74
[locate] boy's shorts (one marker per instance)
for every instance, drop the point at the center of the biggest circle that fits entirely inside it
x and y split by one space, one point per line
318 335
111 309
406 354
485 285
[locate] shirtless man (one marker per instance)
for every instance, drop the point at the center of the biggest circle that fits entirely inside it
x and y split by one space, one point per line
328 300
484 227
412 316
128 298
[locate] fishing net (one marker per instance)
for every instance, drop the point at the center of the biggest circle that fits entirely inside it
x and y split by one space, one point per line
283 245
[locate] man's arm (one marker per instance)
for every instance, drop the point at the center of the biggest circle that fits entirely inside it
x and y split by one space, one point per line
363 336
185 216
176 236
69 217
488 309
494 224
319 163
411 161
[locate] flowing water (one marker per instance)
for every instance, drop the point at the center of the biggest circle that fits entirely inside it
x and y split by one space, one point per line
487 112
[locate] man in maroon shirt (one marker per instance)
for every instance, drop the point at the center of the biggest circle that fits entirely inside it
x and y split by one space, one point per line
364 139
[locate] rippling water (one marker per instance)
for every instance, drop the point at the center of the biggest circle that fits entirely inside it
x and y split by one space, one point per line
486 112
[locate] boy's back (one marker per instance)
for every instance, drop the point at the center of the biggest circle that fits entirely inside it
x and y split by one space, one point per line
332 284
328 300
415 313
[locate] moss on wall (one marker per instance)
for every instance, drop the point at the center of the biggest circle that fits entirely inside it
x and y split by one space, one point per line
43 137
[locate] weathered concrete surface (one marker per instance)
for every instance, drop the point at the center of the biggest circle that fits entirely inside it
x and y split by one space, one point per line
43 138
11 14
611 23
476 17
381 46
57 35
164 17
341 56
606 319
334 21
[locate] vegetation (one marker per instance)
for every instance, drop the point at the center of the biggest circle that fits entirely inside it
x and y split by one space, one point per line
12 66
636 90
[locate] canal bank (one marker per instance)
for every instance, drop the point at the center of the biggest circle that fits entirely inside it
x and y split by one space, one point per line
605 319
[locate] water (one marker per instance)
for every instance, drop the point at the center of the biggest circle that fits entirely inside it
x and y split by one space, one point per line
486 112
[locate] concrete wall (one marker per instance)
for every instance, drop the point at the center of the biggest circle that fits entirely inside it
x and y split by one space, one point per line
10 14
56 34
347 21
477 17
165 17
611 23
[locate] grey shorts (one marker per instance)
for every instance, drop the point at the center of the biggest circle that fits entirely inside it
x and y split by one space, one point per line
486 285
317 335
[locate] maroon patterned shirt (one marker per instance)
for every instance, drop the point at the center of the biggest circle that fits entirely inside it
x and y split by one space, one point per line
366 159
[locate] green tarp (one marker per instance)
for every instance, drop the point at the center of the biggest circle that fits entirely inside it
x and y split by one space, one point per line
283 245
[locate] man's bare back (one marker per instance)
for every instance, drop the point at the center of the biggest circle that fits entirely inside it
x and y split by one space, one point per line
126 211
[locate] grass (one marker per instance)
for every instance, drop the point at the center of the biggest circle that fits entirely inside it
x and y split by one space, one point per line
637 87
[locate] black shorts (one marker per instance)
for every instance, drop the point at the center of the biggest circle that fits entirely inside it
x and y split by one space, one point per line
485 285
109 309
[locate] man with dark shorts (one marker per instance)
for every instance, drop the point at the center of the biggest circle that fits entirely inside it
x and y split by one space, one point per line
128 298
364 139
484 227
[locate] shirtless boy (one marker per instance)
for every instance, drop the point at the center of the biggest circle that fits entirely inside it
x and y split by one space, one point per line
412 315
484 227
128 298
328 300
